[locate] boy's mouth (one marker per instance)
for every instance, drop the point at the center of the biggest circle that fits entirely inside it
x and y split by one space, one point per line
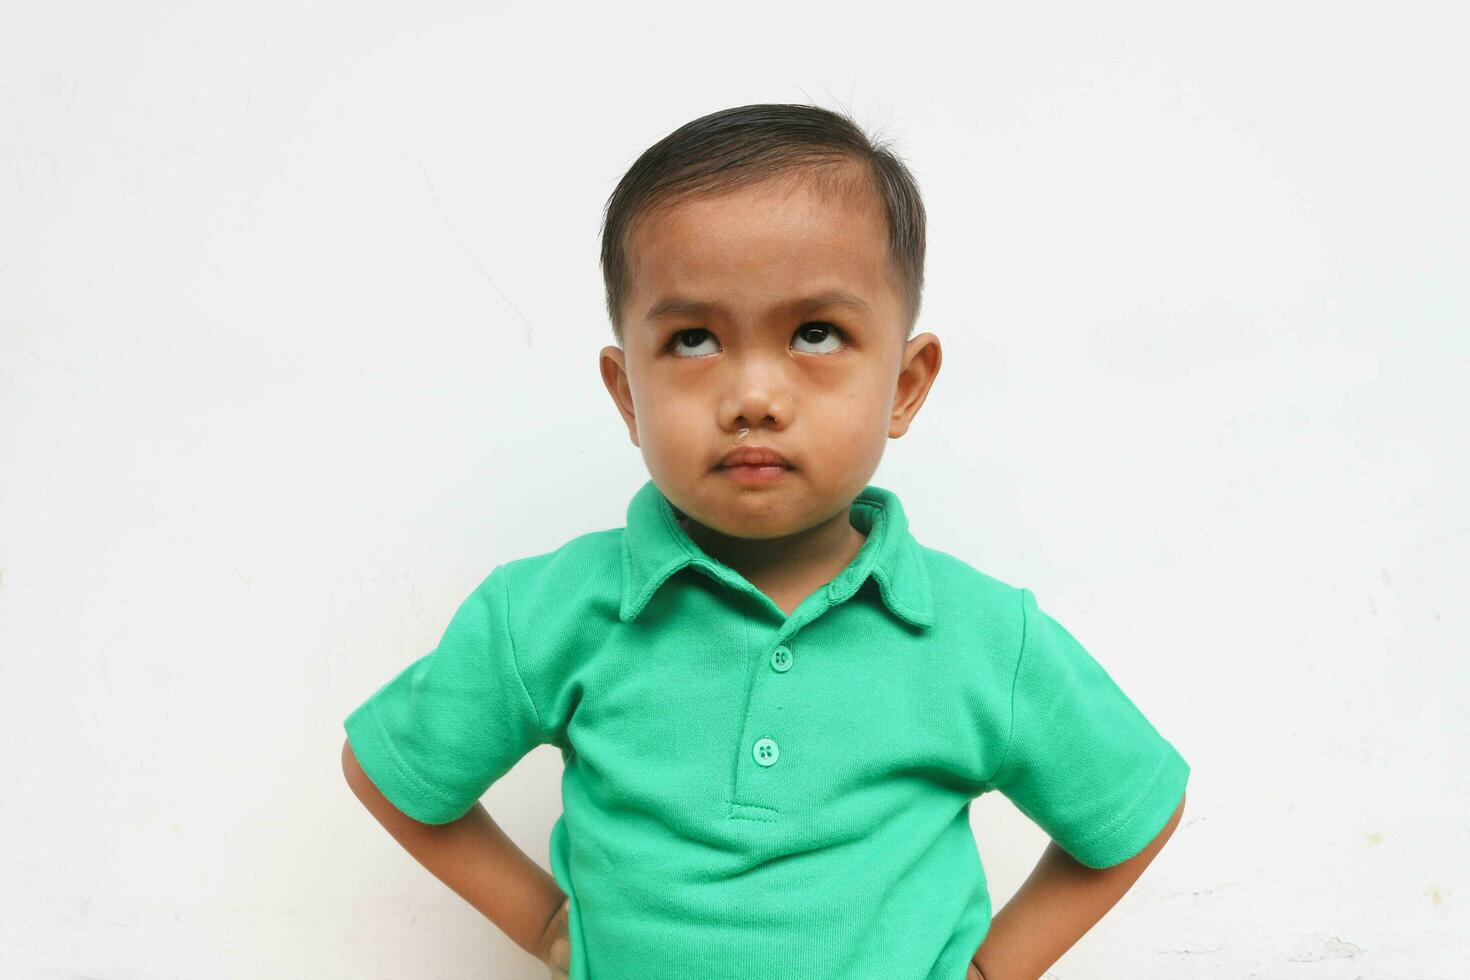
754 457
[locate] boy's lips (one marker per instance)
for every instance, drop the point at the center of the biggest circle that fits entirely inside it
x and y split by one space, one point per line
754 456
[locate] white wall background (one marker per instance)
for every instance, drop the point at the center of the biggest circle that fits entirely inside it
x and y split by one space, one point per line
299 318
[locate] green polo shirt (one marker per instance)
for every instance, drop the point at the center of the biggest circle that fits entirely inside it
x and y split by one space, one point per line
748 794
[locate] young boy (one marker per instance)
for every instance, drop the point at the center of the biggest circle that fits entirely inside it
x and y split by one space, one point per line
774 705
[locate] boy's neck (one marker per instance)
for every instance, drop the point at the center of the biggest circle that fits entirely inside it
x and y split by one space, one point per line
803 560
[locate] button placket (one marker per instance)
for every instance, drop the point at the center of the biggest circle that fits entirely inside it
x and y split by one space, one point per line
763 748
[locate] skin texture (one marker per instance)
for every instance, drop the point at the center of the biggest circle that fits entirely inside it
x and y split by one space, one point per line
825 387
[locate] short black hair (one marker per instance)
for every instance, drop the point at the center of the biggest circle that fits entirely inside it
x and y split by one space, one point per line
750 143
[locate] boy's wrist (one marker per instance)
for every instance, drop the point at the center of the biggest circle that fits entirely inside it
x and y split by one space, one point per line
554 948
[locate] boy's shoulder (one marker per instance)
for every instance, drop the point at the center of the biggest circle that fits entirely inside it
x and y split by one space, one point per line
587 566
955 580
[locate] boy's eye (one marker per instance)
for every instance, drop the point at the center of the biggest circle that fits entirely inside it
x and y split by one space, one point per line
824 331
695 335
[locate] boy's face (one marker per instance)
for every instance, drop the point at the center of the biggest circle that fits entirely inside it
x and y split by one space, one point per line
825 386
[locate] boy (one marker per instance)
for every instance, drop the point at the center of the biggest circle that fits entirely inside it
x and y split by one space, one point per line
773 704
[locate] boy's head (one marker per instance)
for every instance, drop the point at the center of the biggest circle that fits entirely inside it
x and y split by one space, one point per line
764 266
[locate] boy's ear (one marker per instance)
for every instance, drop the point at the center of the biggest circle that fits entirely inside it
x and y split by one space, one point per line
615 376
921 359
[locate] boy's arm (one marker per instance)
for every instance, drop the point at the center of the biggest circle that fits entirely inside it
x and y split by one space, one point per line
1060 900
475 858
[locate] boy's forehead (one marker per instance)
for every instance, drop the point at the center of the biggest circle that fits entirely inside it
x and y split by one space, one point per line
759 243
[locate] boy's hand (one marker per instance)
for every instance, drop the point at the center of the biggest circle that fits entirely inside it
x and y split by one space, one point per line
555 947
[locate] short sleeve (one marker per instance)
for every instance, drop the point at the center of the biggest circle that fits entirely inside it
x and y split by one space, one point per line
1082 762
435 737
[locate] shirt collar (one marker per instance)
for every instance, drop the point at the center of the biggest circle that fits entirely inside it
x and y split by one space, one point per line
655 546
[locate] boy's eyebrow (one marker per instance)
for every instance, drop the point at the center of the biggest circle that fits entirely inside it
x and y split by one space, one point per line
680 306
